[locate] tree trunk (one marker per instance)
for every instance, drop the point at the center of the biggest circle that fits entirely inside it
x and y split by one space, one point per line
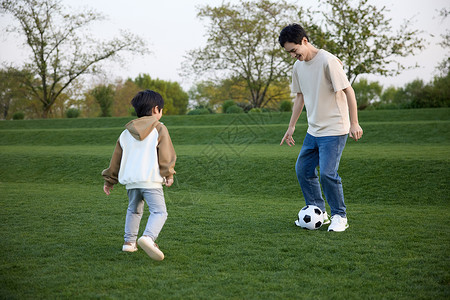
5 110
46 111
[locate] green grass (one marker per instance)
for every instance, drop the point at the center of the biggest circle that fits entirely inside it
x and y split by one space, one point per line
230 231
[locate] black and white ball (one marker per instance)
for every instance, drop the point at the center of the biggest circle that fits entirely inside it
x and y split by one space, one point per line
310 217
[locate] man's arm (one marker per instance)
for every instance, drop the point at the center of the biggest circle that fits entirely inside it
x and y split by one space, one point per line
356 131
296 111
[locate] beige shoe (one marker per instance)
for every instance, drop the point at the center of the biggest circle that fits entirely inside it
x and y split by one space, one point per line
151 248
129 247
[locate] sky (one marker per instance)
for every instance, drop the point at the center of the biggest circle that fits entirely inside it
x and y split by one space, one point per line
172 28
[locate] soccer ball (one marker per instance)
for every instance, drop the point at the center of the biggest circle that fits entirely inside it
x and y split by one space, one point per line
310 217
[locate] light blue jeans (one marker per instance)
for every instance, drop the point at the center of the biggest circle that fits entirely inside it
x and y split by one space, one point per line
156 206
325 153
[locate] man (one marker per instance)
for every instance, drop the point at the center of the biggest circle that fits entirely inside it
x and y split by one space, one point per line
320 84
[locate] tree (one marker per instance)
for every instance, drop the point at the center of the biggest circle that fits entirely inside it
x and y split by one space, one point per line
444 65
434 94
175 99
361 36
367 93
212 94
204 93
125 92
89 106
388 97
178 97
417 94
60 54
441 91
243 43
104 96
11 90
411 92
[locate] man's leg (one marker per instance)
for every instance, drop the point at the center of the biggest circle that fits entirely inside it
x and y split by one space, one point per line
330 152
306 165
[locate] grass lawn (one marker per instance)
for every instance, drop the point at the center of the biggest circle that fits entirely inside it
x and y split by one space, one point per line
230 231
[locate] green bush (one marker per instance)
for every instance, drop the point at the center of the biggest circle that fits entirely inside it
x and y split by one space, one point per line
286 105
227 104
72 113
18 115
234 109
255 111
199 111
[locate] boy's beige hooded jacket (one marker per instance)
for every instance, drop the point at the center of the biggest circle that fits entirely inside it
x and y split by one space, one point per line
144 155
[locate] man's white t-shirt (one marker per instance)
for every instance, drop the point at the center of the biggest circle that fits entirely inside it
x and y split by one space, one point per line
321 81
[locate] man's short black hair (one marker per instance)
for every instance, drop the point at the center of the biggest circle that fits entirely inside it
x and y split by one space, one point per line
292 33
144 102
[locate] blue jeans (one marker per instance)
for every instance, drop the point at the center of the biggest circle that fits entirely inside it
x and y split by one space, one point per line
325 153
156 206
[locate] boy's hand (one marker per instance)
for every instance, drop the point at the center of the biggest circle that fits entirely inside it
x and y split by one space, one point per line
356 131
169 181
107 189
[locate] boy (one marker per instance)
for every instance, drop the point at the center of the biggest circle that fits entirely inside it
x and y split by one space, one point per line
144 159
320 84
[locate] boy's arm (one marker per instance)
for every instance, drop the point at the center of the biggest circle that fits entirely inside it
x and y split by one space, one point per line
166 154
111 174
356 131
299 102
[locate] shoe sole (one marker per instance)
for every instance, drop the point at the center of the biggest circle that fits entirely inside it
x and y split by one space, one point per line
346 226
150 249
129 248
134 250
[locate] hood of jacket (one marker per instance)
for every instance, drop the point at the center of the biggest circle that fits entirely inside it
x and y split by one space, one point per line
141 128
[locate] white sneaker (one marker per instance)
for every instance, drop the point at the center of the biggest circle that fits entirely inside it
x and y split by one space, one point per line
338 223
129 248
326 220
151 248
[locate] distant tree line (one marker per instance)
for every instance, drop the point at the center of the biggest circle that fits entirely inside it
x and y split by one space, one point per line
369 95
415 94
113 100
227 96
101 100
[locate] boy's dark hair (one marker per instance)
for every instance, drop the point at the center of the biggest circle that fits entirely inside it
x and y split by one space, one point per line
293 33
144 102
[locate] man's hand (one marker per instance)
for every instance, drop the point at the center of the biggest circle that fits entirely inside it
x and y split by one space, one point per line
288 137
356 131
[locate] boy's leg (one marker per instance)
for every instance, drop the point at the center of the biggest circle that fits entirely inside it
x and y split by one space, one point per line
330 152
134 215
158 212
306 165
